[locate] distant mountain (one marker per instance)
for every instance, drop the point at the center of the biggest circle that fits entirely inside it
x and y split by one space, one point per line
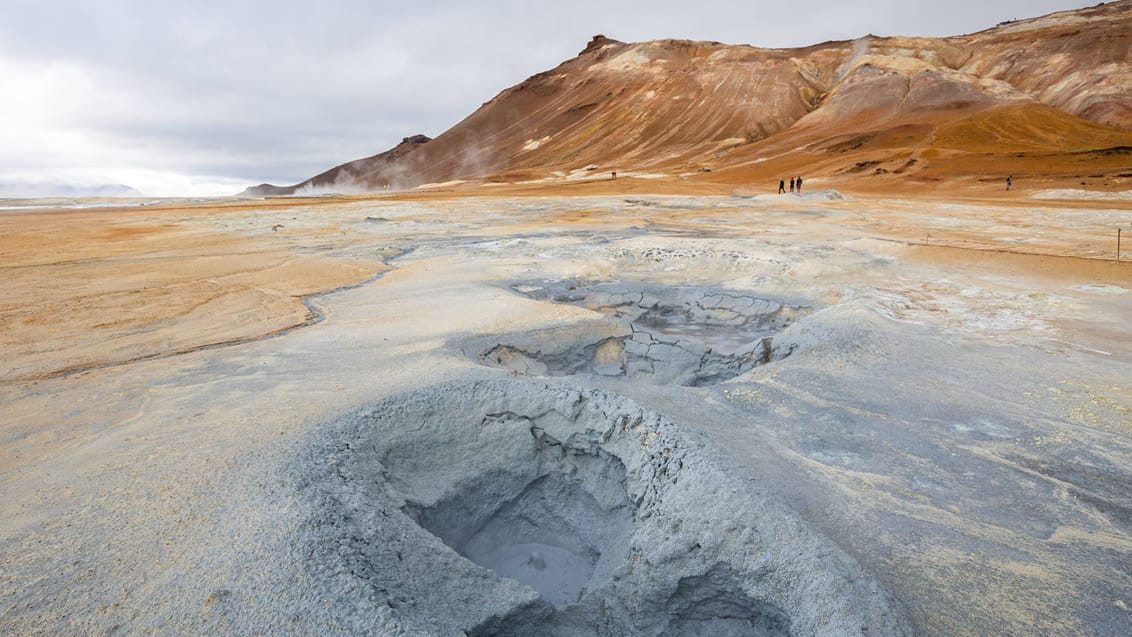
33 189
1046 96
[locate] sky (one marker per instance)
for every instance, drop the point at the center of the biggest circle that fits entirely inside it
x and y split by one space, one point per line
206 98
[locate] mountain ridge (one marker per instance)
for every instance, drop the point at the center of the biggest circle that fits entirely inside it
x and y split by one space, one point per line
929 109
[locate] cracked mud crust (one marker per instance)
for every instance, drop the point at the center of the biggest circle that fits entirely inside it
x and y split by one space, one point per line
682 335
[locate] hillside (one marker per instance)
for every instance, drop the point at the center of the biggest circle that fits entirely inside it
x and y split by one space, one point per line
1047 99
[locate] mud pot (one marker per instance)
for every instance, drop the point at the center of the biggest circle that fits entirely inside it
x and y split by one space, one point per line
689 335
514 507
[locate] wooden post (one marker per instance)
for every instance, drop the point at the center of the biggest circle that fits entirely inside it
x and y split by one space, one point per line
1118 244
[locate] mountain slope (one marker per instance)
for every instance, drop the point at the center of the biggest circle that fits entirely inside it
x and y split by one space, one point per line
934 109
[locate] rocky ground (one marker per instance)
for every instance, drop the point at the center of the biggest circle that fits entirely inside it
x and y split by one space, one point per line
652 414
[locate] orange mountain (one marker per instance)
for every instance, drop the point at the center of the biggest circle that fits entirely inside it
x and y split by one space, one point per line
1044 99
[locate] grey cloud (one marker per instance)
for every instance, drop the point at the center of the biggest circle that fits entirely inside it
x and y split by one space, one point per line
283 90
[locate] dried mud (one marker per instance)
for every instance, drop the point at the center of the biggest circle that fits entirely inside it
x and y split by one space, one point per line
749 415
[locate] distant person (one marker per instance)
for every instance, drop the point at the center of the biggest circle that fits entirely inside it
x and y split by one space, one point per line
791 184
781 186
615 174
799 184
1009 180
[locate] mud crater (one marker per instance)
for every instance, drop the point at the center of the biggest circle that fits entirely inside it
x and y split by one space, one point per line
561 534
684 335
519 508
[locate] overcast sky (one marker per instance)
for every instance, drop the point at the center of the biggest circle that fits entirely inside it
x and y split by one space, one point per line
203 97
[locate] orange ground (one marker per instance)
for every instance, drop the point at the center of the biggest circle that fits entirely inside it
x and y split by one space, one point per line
100 287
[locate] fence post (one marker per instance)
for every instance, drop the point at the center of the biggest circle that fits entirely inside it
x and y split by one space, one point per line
1118 244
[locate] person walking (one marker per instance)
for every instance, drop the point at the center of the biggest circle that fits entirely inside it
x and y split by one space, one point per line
799 184
791 184
1009 180
781 186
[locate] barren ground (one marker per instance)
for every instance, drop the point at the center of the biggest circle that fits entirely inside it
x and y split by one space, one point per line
955 413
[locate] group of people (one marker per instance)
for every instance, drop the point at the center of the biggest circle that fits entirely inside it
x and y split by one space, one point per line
795 182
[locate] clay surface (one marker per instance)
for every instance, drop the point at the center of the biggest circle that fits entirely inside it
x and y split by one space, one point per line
938 442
